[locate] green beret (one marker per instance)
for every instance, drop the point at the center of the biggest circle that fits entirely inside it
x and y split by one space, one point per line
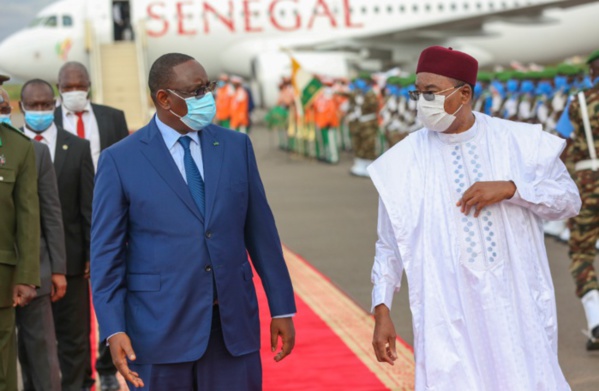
394 81
567 70
504 76
3 78
594 56
549 73
365 76
485 77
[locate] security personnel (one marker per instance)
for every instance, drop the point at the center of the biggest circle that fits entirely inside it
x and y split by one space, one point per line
582 162
19 238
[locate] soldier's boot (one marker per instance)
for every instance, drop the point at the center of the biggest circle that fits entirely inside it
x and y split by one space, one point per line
590 302
554 228
359 167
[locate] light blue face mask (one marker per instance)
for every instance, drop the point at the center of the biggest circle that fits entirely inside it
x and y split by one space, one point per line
5 119
200 112
38 121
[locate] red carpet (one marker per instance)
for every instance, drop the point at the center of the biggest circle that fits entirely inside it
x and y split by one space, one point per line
333 348
320 360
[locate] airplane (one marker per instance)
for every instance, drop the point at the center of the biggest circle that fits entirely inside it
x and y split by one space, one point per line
253 38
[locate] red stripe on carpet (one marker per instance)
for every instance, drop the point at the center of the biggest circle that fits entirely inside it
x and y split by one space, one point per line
320 360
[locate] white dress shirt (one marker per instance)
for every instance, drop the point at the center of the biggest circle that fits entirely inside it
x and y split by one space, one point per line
481 293
49 137
171 139
92 132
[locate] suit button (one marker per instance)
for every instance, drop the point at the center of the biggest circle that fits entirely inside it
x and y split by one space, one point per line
208 268
208 234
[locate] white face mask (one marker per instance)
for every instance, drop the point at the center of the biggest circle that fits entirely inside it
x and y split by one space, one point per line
432 114
74 100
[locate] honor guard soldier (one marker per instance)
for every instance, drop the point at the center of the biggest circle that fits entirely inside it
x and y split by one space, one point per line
19 237
582 162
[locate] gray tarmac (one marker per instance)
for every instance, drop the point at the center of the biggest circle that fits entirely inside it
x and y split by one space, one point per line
329 218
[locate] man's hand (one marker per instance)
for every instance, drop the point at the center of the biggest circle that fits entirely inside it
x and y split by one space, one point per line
59 287
282 327
86 270
384 336
121 350
483 194
22 295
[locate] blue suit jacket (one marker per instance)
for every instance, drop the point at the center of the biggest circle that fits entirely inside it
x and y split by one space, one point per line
153 255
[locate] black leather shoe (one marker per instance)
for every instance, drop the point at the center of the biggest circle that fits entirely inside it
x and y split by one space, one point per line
595 332
109 383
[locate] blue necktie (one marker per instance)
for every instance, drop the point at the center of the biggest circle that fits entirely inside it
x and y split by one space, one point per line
194 179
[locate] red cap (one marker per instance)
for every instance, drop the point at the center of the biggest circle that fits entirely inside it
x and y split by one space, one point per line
448 62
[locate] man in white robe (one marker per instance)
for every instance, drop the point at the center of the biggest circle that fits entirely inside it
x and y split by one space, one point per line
461 209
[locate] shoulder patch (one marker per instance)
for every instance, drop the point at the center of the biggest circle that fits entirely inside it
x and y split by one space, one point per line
12 128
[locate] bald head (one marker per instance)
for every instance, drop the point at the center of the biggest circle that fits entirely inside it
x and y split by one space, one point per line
73 76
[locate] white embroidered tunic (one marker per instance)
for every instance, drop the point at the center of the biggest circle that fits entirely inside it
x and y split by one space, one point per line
481 293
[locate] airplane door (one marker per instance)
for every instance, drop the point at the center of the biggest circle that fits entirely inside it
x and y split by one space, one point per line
121 20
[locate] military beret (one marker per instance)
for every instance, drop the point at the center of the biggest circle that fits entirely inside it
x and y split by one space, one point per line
449 63
567 70
3 78
485 77
594 56
504 76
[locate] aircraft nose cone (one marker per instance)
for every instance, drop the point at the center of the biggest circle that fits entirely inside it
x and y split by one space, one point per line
9 56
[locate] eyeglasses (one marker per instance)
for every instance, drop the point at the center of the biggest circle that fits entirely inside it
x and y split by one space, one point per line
199 92
429 95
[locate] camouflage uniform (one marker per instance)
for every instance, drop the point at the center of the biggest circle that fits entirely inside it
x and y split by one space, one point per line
364 133
585 226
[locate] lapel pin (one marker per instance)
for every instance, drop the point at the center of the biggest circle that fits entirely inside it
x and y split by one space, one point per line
2 160
216 144
65 147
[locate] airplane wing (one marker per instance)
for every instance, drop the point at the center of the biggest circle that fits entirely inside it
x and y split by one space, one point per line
442 31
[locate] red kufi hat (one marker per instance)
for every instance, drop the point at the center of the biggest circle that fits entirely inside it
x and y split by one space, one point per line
448 62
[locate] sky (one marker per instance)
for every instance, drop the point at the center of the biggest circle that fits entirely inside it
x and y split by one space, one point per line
16 14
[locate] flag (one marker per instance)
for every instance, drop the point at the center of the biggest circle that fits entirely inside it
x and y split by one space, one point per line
310 91
306 86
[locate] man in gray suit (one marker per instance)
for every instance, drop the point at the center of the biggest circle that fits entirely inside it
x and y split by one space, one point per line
37 337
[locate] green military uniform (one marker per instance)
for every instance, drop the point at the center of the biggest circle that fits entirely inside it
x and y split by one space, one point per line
585 229
19 238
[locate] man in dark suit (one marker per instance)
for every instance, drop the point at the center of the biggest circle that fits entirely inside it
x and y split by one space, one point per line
75 177
102 126
177 207
37 338
19 238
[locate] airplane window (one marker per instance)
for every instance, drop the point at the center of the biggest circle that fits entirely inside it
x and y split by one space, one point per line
503 4
52 21
67 20
440 6
453 6
36 22
466 6
402 8
282 13
364 10
389 9
427 7
376 10
491 5
479 6
415 8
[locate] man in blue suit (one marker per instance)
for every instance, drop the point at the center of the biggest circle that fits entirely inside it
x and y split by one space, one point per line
177 207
